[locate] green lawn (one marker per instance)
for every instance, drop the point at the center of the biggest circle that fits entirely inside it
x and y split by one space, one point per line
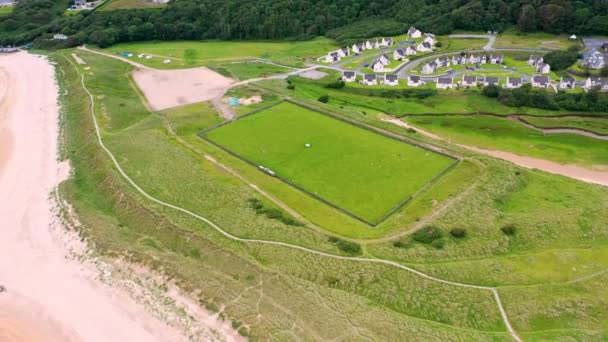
507 135
534 40
598 125
129 4
364 173
248 70
5 10
195 53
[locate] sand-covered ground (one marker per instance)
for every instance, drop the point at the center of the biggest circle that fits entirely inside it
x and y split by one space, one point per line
49 296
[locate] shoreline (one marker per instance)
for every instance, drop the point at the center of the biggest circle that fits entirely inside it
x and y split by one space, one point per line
52 281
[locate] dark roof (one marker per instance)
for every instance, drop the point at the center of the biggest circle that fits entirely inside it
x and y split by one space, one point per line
514 80
400 51
415 78
497 57
426 45
391 77
369 77
567 80
540 79
334 54
470 79
444 80
349 74
492 80
344 49
535 58
385 56
411 30
433 64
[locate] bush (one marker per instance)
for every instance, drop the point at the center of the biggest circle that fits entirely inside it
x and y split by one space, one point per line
271 213
509 229
344 245
604 71
438 243
400 244
560 60
339 84
458 233
291 86
438 44
323 98
427 234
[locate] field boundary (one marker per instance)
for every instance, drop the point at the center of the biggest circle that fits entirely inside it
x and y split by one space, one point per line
493 290
385 216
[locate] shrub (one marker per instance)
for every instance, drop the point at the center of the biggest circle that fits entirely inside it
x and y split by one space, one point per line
604 71
345 246
427 234
458 233
271 213
438 243
291 87
439 44
509 229
400 244
339 84
323 98
490 91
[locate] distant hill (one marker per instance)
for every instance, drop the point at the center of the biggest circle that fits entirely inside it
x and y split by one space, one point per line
297 19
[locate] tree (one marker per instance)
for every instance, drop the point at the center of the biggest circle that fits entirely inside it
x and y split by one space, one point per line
323 98
604 71
527 19
560 60
491 90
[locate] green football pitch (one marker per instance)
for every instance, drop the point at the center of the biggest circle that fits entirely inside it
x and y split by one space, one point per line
361 172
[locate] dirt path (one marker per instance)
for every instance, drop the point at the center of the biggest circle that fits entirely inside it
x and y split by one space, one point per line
572 171
49 296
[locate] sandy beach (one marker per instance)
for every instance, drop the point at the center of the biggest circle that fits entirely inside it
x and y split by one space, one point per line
48 296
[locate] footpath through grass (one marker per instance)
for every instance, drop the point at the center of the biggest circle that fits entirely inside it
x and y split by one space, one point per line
365 173
507 135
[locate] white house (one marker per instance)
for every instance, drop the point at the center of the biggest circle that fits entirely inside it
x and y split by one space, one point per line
424 47
513 82
490 81
573 37
410 50
371 44
60 36
358 47
543 68
384 59
596 82
386 42
473 59
391 80
458 60
414 32
469 81
414 81
349 76
566 83
429 38
443 62
80 2
483 59
399 54
332 57
429 68
343 52
369 80
539 81
445 83
534 60
496 59
377 66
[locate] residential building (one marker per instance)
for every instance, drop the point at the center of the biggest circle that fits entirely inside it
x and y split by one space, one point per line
369 80
358 48
80 2
349 76
399 54
534 60
332 57
391 80
490 81
469 81
573 37
474 59
414 32
539 81
410 50
429 68
543 68
377 66
371 44
386 42
384 59
496 59
567 83
596 82
459 60
443 62
60 36
414 81
595 60
445 83
424 47
429 40
343 52
513 82
483 59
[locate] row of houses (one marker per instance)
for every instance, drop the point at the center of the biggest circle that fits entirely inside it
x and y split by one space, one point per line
400 53
539 63
537 81
444 62
357 48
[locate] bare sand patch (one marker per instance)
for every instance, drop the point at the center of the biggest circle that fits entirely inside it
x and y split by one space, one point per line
171 88
572 171
313 74
250 100
78 59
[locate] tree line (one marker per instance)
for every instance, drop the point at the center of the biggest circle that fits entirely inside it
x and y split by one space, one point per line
35 20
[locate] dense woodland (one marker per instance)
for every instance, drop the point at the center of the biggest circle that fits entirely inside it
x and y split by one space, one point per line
35 20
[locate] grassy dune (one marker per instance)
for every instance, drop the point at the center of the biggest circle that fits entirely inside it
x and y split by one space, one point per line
560 226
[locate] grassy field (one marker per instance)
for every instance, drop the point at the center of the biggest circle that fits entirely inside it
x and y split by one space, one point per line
188 54
597 125
550 272
362 172
534 40
507 135
129 4
248 70
5 10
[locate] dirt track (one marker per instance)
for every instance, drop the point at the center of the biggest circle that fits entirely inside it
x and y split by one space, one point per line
572 171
